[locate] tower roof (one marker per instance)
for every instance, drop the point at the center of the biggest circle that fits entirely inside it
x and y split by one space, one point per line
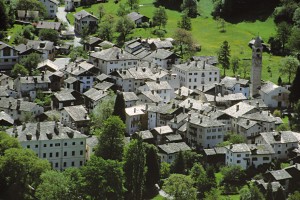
258 42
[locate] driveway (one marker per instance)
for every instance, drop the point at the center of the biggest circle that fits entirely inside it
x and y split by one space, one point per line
61 15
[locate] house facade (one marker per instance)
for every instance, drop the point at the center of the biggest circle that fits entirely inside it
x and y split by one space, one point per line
84 19
8 56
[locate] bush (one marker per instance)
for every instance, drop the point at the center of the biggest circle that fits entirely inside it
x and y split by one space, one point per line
277 113
159 33
144 25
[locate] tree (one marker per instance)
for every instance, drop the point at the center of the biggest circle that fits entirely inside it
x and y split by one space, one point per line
54 185
133 4
111 139
279 81
102 111
232 138
224 56
164 170
178 165
235 62
122 10
251 193
283 33
4 18
185 22
152 164
288 67
28 32
20 170
190 158
269 194
106 28
103 179
85 34
213 194
101 11
7 142
180 187
119 108
279 194
124 26
245 67
135 169
233 175
184 42
31 61
49 34
32 5
191 7
295 92
160 17
294 196
19 69
77 52
294 40
76 183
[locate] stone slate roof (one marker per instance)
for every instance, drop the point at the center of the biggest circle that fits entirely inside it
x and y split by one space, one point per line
153 96
171 148
4 45
239 109
161 54
162 85
37 44
173 137
95 94
130 96
261 149
162 44
204 121
135 16
94 40
113 54
275 185
280 137
168 108
145 134
64 95
179 118
184 91
135 110
11 103
77 113
183 128
280 174
78 69
82 14
48 25
102 77
195 104
48 63
212 60
34 80
92 141
225 98
230 82
6 117
238 148
103 86
196 66
246 123
71 80
264 116
254 102
162 130
47 131
269 87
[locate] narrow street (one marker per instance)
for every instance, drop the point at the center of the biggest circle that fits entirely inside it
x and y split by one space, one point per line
61 15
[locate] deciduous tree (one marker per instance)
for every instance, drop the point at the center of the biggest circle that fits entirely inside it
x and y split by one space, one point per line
185 22
111 139
31 61
160 17
288 67
184 42
191 7
283 33
49 34
19 69
7 142
235 62
124 26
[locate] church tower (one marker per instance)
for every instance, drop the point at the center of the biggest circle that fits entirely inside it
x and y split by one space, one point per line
257 50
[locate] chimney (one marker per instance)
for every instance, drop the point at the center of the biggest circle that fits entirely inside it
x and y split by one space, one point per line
231 146
237 108
157 80
216 89
203 64
175 118
248 121
238 77
183 109
85 115
189 116
146 107
173 105
134 110
202 88
191 105
38 130
56 130
257 104
179 91
222 89
43 76
70 134
28 136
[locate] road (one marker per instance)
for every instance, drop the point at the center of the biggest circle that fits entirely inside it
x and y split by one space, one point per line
61 15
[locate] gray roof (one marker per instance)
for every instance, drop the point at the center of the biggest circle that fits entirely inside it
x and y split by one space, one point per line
246 123
204 121
161 54
264 116
238 148
11 103
180 117
64 95
112 54
103 85
196 66
95 94
162 130
102 77
49 64
254 102
92 141
171 148
280 174
40 45
269 87
6 117
82 14
93 40
212 60
34 79
145 134
184 91
71 80
163 44
153 96
47 131
225 98
130 96
173 137
162 85
230 82
135 16
261 149
4 45
48 25
280 137
78 69
239 109
77 113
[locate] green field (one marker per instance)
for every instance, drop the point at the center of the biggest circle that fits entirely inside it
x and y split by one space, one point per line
206 32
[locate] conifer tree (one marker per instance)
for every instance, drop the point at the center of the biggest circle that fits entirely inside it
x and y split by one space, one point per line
295 92
178 165
119 108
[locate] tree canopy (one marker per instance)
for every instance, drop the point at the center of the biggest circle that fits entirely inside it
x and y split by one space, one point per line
191 7
160 17
224 56
49 34
288 67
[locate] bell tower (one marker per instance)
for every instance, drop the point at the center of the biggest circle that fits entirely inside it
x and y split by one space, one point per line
257 50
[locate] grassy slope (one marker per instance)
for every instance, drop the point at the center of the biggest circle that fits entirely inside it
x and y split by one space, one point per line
206 32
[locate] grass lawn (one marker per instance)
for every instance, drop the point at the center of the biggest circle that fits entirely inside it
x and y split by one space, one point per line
231 197
285 120
158 197
206 32
13 32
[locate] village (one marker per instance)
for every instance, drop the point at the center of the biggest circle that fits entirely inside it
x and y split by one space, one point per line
56 105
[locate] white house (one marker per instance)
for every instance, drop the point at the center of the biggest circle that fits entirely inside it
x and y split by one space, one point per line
130 99
169 152
163 58
8 56
70 5
282 142
84 19
45 48
274 96
196 74
235 85
112 59
51 7
93 97
62 146
134 118
238 154
19 109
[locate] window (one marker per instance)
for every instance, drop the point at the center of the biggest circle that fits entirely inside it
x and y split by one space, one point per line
80 163
65 164
88 77
213 137
57 154
50 155
81 152
44 155
51 145
6 52
278 152
266 158
238 155
73 164
57 144
73 153
65 153
190 80
215 79
190 73
208 137
238 161
254 159
66 144
81 143
73 143
36 146
195 79
5 60
209 79
88 82
45 145
195 73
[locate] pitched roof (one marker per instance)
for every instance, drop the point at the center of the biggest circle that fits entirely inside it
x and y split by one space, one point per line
280 174
48 25
153 96
130 96
171 148
135 16
48 63
112 54
225 98
161 54
162 85
77 113
239 109
95 94
163 130
40 79
64 95
280 137
6 117
135 110
230 82
103 85
12 103
82 14
196 66
238 148
269 87
261 149
145 134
